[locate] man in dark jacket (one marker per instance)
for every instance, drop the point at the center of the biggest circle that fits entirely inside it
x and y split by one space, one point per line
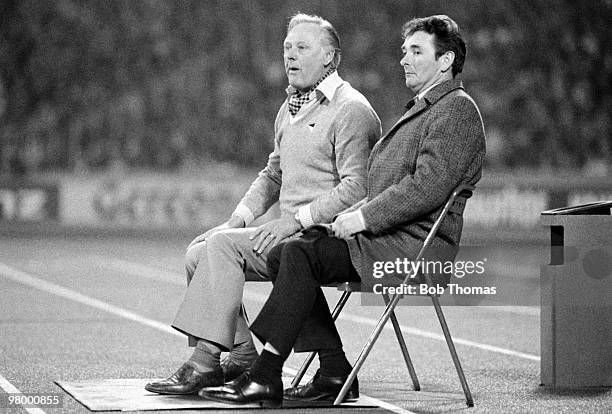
436 145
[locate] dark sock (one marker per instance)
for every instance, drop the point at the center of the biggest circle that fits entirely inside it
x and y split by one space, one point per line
205 356
268 368
244 353
333 363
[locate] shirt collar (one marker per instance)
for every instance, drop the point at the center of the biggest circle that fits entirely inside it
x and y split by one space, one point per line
327 87
421 94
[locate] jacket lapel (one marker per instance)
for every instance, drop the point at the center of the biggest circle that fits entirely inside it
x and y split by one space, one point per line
430 98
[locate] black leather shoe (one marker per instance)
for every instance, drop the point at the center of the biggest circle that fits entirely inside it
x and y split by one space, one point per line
243 390
232 370
321 388
186 381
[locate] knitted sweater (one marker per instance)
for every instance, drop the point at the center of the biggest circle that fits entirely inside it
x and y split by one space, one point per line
318 165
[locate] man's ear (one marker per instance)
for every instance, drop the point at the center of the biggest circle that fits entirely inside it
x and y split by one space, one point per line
328 55
447 60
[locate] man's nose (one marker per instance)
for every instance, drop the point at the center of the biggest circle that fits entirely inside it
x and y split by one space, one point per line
290 53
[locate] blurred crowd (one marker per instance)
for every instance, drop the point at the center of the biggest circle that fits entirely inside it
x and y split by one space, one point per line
91 85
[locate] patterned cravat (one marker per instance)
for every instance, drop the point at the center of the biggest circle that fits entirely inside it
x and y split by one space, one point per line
298 99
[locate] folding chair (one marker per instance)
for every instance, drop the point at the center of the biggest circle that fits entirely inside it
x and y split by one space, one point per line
454 205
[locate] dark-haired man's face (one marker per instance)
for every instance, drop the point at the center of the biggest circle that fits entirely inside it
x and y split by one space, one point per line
421 68
306 55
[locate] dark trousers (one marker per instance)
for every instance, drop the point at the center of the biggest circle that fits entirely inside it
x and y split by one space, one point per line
296 313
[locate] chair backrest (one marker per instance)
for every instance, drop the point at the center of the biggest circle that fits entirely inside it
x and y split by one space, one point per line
458 205
455 204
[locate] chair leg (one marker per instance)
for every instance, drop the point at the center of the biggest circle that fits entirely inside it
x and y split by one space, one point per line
300 374
337 309
403 347
365 351
451 347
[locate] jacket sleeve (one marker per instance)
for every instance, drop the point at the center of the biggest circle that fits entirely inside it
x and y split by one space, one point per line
354 207
452 140
357 128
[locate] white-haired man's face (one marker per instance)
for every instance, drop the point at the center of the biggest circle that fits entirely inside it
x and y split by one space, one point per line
307 55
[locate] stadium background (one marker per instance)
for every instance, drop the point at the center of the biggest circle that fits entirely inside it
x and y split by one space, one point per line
128 127
158 114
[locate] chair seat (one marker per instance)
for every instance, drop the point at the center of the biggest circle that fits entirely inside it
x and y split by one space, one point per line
347 286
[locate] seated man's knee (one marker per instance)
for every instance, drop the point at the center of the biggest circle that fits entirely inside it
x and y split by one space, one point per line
294 253
218 239
294 248
273 261
233 241
192 256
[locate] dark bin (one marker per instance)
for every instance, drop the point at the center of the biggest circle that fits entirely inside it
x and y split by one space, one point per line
576 298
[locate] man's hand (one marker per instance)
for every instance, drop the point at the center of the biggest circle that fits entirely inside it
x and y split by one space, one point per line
234 222
347 224
273 232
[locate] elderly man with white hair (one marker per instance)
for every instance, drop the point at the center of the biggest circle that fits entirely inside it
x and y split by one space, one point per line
323 134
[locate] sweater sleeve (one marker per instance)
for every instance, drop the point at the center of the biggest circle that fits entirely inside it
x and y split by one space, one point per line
265 190
357 127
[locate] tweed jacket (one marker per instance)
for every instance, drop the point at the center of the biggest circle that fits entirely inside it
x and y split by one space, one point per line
436 145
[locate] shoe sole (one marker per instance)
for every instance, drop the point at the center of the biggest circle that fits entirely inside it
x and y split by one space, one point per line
171 393
178 393
262 403
350 396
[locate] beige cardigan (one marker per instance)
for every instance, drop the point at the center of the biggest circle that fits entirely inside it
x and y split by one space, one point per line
320 156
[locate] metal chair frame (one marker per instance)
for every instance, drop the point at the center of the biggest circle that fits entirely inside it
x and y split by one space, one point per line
454 204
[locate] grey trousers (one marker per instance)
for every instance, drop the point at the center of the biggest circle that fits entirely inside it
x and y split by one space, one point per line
216 272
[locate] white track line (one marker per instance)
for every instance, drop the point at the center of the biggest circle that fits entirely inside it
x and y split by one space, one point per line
136 269
36 283
141 270
519 310
11 389
431 335
24 278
